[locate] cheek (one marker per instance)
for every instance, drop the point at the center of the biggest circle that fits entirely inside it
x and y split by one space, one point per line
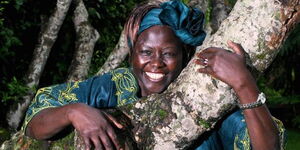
138 61
175 65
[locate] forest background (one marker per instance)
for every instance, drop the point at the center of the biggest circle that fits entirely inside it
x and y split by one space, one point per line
20 25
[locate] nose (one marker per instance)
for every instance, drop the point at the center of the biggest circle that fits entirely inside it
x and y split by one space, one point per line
157 61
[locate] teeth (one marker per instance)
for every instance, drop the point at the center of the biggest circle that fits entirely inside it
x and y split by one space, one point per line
155 75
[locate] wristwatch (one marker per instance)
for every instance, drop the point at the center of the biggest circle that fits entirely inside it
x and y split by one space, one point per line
261 99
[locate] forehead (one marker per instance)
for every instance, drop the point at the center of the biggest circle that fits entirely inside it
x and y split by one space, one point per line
158 35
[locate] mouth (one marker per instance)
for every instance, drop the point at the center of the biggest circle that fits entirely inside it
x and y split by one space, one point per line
155 77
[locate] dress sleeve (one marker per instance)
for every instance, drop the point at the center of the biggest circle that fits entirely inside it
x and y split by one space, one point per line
97 92
234 134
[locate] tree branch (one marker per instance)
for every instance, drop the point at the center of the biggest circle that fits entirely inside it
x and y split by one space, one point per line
87 37
195 102
41 52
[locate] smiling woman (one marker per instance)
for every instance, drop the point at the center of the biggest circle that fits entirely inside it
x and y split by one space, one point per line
157 59
162 38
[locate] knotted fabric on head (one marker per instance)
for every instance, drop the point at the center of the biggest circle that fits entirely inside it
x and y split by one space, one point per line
186 23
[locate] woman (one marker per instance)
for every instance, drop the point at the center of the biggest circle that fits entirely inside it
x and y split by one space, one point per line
162 40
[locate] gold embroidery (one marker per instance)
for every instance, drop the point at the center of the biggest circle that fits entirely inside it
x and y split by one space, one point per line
67 94
244 141
125 84
44 96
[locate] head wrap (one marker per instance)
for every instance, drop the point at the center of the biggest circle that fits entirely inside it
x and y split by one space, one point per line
186 23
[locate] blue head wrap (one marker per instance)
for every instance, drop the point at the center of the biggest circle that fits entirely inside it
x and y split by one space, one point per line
186 23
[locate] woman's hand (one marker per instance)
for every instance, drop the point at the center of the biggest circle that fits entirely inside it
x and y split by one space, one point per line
229 67
94 126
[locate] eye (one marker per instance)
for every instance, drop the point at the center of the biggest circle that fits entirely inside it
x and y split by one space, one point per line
146 52
169 54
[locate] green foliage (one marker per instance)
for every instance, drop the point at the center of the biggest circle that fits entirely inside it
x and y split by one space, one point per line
4 135
108 17
204 123
276 97
2 2
7 41
186 1
15 90
296 121
18 4
208 12
7 35
281 80
293 137
292 44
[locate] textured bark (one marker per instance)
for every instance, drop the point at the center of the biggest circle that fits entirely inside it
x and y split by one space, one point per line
41 52
215 11
195 102
87 37
175 118
117 56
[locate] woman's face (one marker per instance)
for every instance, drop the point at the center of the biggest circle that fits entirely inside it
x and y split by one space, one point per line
156 59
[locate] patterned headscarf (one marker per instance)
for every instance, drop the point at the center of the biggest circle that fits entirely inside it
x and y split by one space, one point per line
186 23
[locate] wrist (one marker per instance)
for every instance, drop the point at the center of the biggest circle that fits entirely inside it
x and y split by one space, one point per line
70 111
261 99
247 94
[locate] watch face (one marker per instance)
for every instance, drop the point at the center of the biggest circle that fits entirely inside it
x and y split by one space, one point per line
262 97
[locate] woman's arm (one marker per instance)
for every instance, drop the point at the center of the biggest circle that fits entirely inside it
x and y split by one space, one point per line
56 107
231 68
93 125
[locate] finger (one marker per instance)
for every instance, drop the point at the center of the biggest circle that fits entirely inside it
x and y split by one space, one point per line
237 48
87 143
111 133
205 55
200 62
113 120
97 143
105 141
206 70
210 50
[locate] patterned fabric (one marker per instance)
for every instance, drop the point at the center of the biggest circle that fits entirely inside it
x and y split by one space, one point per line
186 23
233 134
126 86
112 89
119 87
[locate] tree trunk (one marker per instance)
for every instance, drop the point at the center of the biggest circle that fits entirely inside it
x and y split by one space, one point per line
195 102
116 57
215 12
87 37
41 52
172 120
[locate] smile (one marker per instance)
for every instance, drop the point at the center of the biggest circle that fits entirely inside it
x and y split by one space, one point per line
155 76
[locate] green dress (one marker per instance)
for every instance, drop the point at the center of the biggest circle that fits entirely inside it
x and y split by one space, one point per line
119 87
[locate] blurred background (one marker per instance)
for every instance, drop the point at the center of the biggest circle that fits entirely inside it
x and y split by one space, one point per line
20 25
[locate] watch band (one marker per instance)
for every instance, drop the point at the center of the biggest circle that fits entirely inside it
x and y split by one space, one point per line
261 99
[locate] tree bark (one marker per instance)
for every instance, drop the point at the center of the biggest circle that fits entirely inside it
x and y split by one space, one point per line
172 120
116 57
41 52
195 102
215 12
87 37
